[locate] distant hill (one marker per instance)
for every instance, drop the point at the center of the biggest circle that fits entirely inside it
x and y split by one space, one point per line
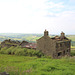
19 36
28 37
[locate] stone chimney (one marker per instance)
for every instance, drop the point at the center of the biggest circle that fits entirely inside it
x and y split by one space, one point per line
45 33
62 35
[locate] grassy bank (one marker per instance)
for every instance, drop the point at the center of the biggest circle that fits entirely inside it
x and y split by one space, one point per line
25 65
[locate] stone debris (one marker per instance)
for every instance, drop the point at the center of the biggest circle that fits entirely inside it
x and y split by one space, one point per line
4 73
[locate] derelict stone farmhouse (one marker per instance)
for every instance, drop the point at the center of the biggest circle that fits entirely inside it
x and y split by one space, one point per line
55 47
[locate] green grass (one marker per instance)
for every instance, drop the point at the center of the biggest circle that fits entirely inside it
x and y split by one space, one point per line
72 37
31 38
25 65
10 43
72 46
73 52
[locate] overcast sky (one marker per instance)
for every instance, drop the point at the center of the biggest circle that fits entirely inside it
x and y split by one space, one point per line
34 16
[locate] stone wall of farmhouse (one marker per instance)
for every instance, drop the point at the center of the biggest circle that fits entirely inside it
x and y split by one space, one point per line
63 47
46 45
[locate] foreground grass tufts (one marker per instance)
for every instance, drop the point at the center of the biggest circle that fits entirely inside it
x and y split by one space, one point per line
25 65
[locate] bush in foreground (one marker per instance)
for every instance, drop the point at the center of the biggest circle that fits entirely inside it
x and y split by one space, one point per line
21 51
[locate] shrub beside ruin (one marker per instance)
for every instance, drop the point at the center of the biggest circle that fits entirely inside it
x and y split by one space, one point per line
21 51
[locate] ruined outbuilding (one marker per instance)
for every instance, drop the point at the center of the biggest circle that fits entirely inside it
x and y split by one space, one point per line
9 43
24 44
55 47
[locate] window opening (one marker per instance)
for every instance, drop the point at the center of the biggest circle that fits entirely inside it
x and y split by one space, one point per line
59 54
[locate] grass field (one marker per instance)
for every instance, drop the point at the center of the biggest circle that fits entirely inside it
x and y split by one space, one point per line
73 47
24 65
72 37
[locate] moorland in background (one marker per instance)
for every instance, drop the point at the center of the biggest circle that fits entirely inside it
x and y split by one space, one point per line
29 37
20 36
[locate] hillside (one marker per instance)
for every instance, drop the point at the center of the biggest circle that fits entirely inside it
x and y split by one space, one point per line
19 36
29 37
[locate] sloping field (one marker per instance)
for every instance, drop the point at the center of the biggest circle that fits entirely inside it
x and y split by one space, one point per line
24 65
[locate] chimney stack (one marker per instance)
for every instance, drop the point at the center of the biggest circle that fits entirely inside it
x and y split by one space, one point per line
62 35
45 33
